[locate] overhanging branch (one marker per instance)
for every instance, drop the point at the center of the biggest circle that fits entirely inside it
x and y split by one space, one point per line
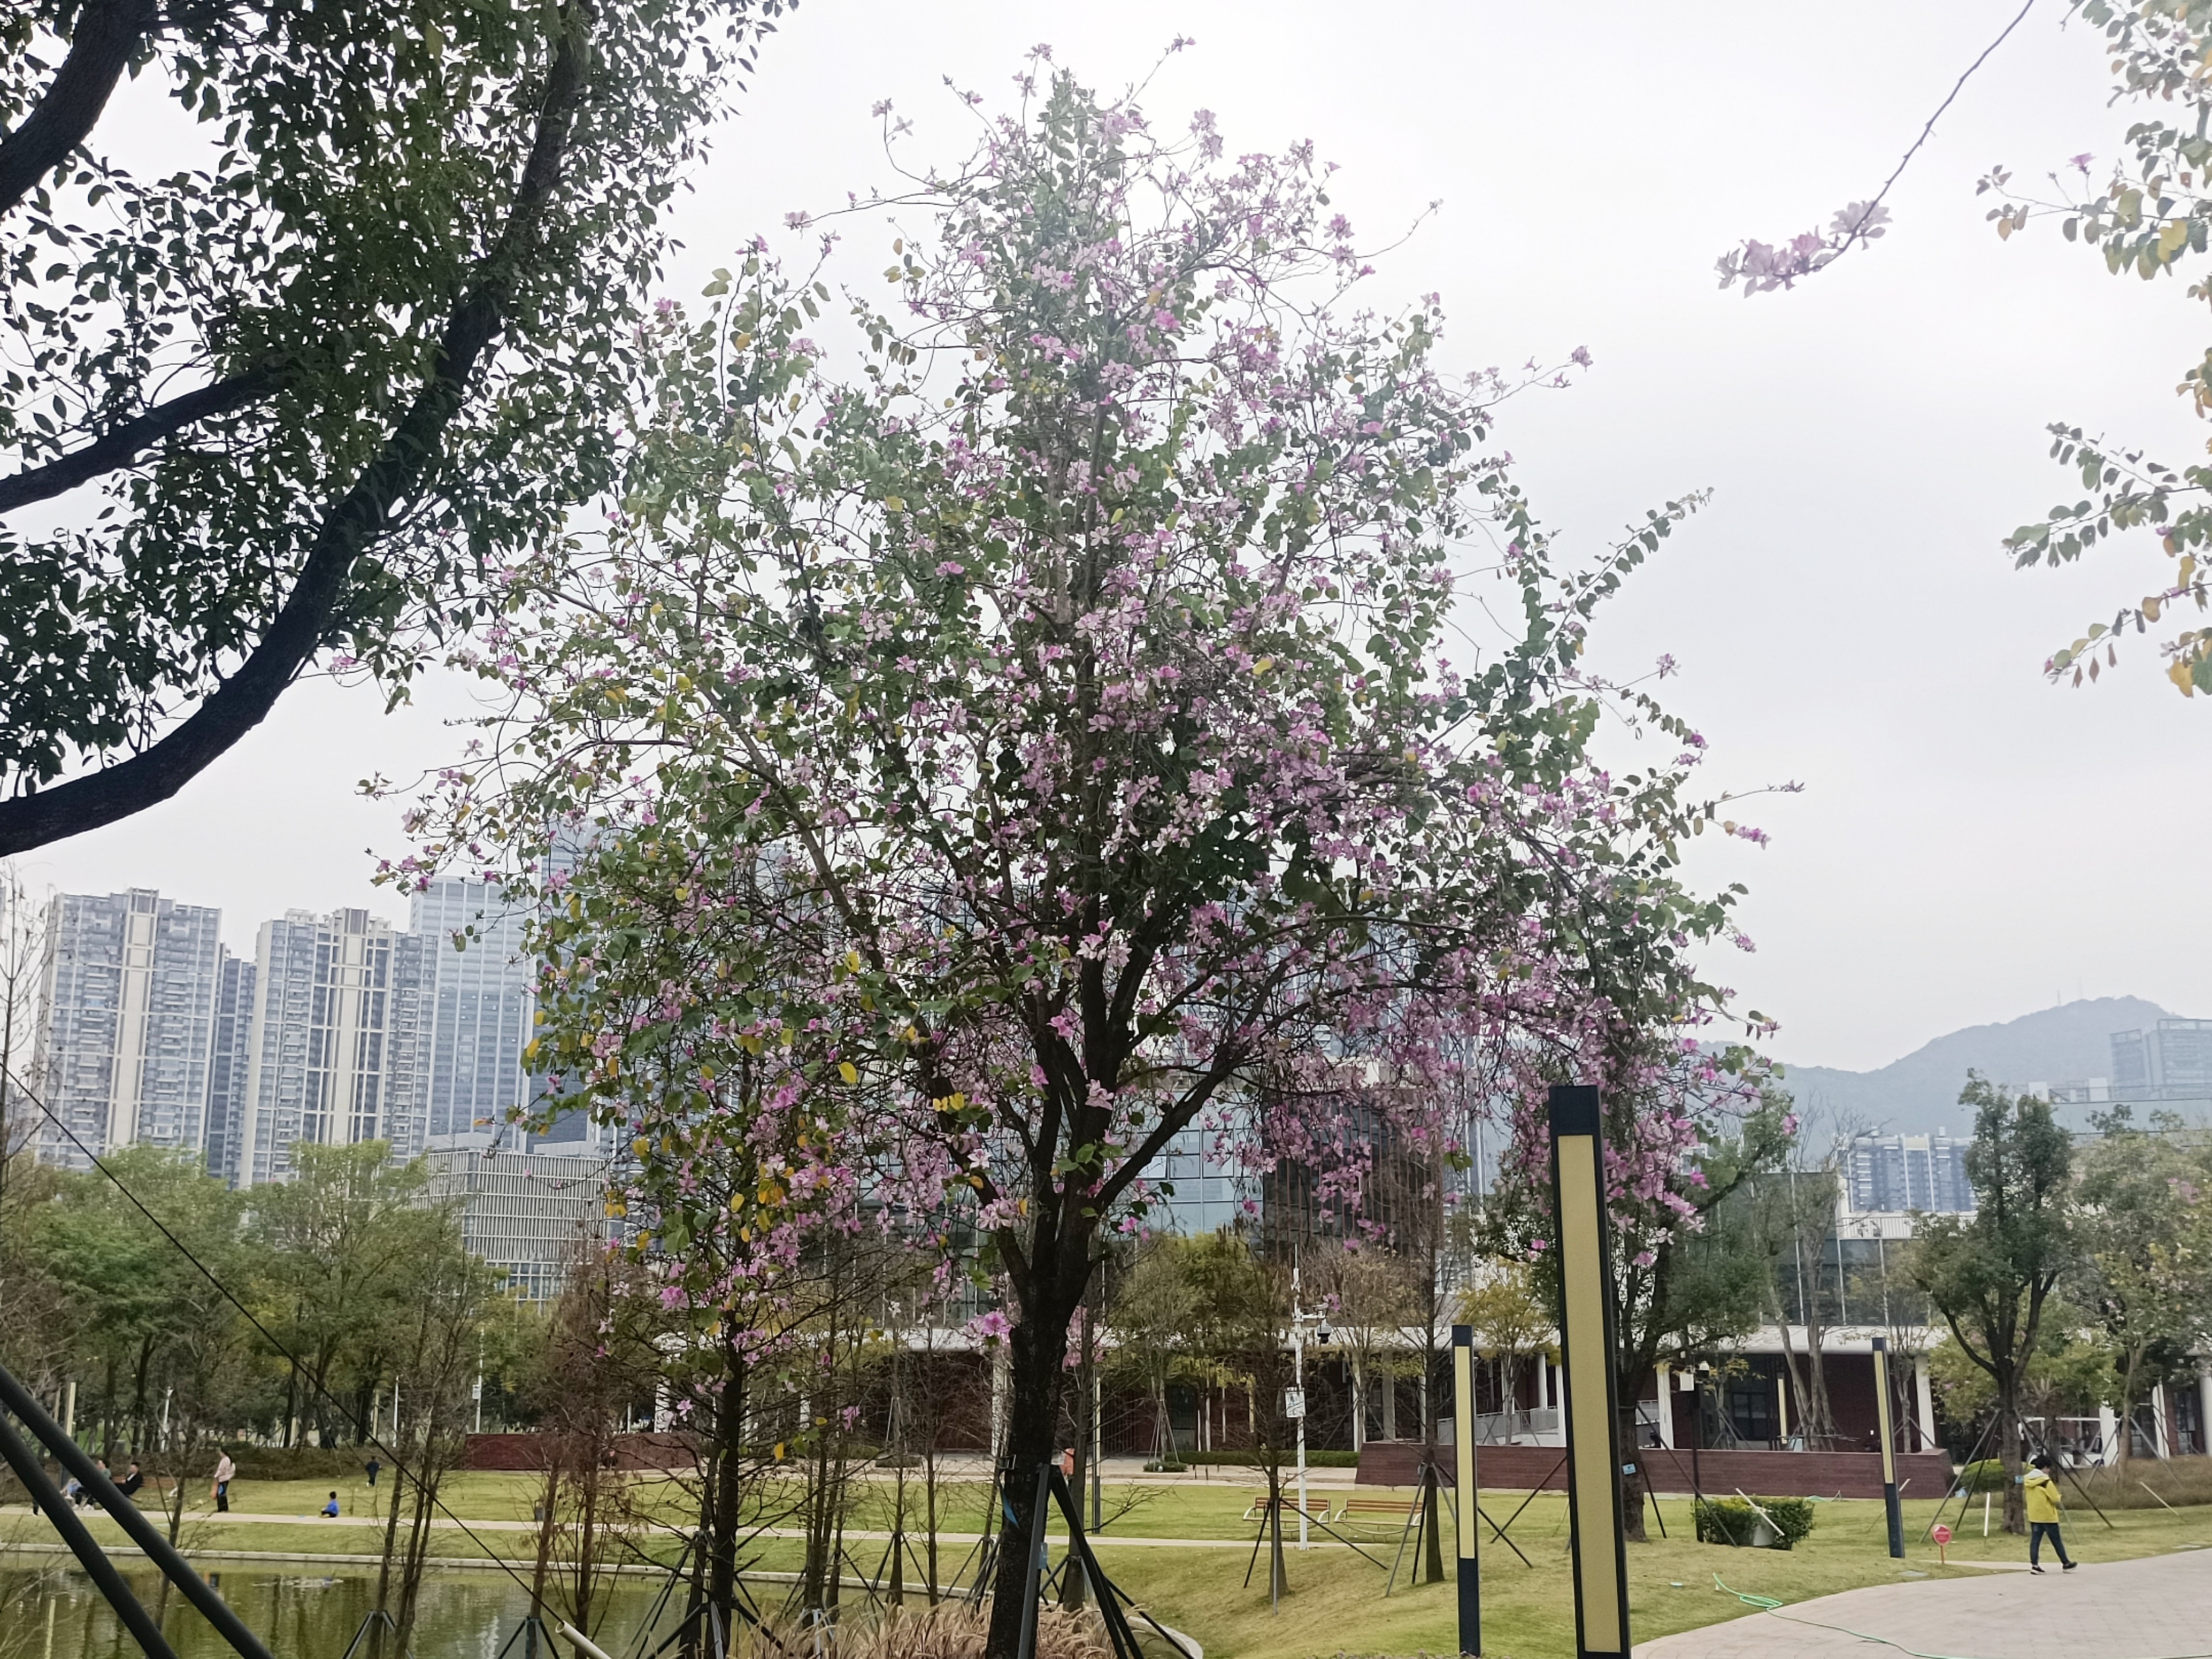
107 33
124 444
244 700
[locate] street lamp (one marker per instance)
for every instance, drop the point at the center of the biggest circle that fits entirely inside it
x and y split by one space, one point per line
1294 1403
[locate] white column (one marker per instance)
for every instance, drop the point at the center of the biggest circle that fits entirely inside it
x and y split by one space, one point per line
1666 1406
2158 1437
2108 1431
1923 1400
2205 1405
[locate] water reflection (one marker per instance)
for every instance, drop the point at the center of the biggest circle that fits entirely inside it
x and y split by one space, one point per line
54 1612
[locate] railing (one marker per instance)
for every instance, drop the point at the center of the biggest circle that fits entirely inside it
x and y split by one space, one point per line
1497 1427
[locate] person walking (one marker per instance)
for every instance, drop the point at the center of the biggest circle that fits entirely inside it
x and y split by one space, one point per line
224 1469
2045 1502
371 1470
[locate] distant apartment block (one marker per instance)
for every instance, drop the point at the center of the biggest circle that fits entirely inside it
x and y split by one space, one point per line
478 1001
129 998
335 1052
229 1059
2173 1061
1907 1172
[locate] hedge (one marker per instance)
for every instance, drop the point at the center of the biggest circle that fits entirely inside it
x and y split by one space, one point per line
1315 1460
1734 1521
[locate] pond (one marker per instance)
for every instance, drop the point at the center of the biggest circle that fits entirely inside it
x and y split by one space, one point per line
49 1610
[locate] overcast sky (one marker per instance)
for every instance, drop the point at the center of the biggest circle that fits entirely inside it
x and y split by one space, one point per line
1972 843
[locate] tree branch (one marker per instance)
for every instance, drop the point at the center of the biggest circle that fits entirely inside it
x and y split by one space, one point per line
107 32
244 700
122 445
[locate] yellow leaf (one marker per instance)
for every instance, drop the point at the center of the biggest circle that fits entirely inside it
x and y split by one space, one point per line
1263 665
896 503
2150 607
853 960
845 1070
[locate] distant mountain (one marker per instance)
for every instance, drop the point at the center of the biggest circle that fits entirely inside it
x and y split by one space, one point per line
1919 1094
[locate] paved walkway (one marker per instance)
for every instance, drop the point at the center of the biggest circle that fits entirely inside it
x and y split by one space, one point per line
2158 1608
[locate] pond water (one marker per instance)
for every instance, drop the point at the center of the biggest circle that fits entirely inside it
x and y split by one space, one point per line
54 1612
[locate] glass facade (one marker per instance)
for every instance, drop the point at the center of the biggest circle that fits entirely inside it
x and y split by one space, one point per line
478 1006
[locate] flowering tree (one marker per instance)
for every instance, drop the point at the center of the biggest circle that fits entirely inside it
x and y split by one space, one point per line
1684 1126
1042 742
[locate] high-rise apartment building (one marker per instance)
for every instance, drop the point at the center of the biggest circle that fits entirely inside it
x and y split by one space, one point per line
477 1006
335 1050
129 994
229 1059
1907 1172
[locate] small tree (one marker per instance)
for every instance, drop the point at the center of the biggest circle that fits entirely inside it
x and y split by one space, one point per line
1686 1129
1154 1316
1990 1275
1503 1304
1242 1322
1366 1291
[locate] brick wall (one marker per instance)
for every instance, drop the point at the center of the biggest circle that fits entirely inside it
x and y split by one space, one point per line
529 1451
1765 1474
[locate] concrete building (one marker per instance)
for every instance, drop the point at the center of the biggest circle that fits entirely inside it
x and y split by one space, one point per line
335 1052
1907 1172
2173 1061
129 993
524 1212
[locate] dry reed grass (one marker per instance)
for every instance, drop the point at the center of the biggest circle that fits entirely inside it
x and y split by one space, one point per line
2142 1482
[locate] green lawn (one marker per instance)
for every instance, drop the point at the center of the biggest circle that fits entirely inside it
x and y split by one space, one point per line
1335 1603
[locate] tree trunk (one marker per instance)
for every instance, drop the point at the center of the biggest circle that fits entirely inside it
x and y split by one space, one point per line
2007 1438
729 1468
1632 1475
1036 1346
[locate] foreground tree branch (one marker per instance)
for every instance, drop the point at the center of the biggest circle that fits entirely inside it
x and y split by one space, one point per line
244 698
108 32
124 444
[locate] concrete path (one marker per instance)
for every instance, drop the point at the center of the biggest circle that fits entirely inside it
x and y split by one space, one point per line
2158 1608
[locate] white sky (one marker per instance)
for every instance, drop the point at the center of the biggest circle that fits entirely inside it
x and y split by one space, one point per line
1972 843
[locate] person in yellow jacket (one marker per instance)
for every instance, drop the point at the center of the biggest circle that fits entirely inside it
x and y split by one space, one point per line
2043 1503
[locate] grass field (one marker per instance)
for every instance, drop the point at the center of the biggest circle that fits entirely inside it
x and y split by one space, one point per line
1335 1603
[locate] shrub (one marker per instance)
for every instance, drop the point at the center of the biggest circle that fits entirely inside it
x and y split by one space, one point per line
1734 1521
1986 1475
295 1463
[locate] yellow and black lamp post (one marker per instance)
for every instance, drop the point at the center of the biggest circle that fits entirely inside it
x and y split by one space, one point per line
1470 1579
1889 1501
1586 1363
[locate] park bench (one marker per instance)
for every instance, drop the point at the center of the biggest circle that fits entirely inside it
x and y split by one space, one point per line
1377 1511
1316 1506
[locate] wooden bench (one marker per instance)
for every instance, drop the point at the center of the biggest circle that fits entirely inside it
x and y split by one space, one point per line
1374 1512
1316 1506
